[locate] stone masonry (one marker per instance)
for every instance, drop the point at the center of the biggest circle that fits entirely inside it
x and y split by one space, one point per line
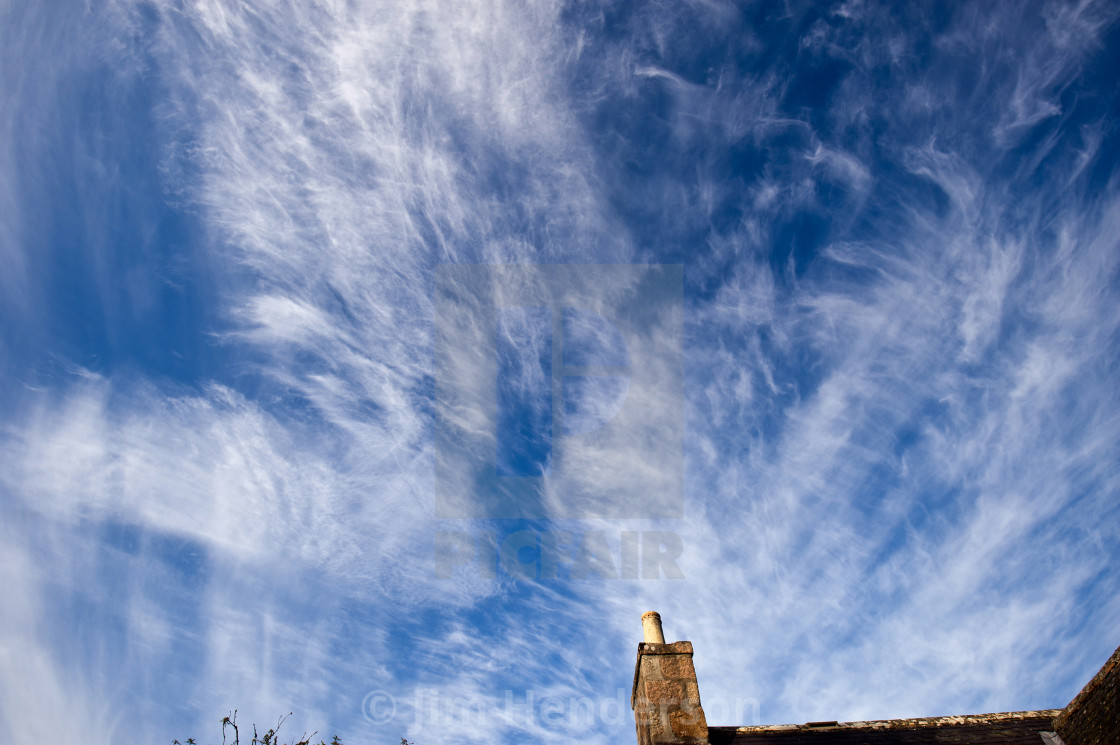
665 697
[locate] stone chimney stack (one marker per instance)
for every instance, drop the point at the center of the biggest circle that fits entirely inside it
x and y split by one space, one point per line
665 697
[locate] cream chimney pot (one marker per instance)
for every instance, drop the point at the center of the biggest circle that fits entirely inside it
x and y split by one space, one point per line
651 625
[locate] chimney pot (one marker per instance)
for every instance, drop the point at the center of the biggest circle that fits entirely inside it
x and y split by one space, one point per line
651 625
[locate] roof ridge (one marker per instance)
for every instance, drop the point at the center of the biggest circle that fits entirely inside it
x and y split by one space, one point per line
913 722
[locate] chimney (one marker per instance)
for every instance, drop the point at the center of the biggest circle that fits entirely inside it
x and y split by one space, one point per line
665 697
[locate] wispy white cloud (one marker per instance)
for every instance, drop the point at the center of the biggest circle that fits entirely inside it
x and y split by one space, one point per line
892 513
899 429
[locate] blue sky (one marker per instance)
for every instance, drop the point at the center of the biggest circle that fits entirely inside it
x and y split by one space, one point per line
358 355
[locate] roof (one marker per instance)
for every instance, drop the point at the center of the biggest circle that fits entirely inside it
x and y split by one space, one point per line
1012 728
1093 717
